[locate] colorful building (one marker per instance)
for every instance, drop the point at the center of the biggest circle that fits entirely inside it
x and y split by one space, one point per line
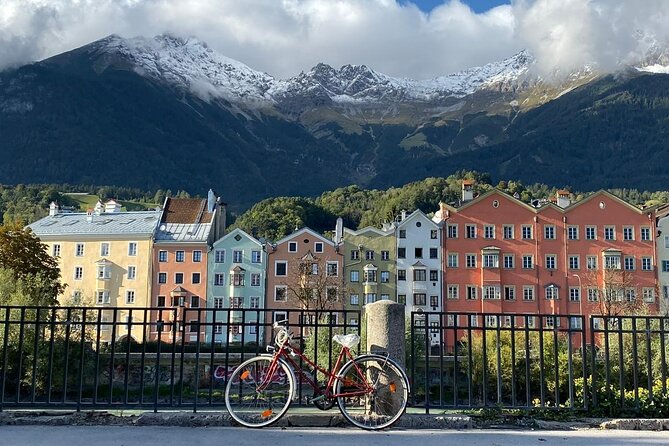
188 228
236 280
104 256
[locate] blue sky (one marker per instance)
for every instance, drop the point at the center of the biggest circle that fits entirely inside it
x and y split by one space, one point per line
476 5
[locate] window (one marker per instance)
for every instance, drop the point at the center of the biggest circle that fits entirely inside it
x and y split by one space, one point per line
508 261
255 302
355 254
401 253
434 275
292 246
572 232
452 260
418 253
102 297
403 233
419 299
79 250
160 301
385 276
129 297
318 247
179 278
665 266
551 261
591 233
552 321
236 302
552 292
470 231
528 293
195 301
255 279
219 279
645 233
385 255
237 256
238 279
162 256
370 298
419 275
526 232
509 292
646 263
104 249
574 294
332 269
453 292
612 261
355 276
197 256
255 257
354 299
433 234
179 256
132 272
434 253
630 264
593 295
488 231
369 255
471 292
434 301
314 269
628 233
491 292
491 260
279 316
402 299
473 320
219 302
528 261
55 250
195 278
132 248
78 272
452 231
219 256
280 293
630 294
281 269
452 320
104 271
609 233
591 262
470 260
574 262
549 232
162 277
508 231
575 322
490 320
401 274
648 295
369 276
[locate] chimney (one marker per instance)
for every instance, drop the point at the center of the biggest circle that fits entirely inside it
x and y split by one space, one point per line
339 231
53 209
404 215
563 198
89 215
467 190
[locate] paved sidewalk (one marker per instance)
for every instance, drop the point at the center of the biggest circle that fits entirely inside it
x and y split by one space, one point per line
310 418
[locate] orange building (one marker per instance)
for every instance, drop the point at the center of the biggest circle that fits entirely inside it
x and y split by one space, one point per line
596 256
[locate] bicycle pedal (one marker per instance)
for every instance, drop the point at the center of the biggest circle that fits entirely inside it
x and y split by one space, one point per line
318 398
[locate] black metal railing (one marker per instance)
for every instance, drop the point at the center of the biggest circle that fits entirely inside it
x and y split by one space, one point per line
144 358
610 365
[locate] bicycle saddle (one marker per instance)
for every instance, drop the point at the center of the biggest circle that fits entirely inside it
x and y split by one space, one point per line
349 340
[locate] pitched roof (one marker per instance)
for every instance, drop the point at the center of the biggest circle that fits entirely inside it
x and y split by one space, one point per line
186 211
112 223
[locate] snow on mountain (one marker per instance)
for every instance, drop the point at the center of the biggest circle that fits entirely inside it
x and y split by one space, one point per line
191 65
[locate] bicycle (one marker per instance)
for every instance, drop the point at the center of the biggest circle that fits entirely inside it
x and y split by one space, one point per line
371 390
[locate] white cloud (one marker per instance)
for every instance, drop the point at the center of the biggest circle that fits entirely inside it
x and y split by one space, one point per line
283 37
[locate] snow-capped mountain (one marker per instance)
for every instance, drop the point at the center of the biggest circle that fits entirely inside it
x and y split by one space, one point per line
190 64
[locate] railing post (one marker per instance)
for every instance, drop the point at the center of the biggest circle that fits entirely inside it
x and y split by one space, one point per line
385 329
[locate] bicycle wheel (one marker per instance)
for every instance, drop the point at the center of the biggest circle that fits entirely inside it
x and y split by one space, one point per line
256 396
383 390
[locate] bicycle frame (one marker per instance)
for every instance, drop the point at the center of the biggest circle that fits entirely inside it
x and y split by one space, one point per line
286 352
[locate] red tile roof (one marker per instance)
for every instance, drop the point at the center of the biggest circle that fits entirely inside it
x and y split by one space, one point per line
186 210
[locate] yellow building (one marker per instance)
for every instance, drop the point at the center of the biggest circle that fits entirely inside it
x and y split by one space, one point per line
104 257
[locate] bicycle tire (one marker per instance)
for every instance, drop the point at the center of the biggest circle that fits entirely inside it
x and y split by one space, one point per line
253 401
384 404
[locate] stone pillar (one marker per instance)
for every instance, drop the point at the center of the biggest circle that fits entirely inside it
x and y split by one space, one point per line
385 329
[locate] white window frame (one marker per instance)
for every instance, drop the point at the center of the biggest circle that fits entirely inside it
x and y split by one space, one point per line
219 256
276 264
292 246
453 292
130 297
132 249
132 272
285 293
